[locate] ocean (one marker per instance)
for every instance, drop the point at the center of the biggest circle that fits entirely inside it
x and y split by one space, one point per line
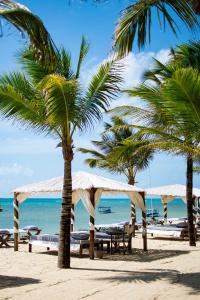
45 213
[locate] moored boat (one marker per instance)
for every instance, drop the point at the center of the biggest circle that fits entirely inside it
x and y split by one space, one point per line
152 213
104 209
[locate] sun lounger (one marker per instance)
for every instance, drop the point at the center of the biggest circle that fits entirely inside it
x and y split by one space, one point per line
79 241
32 230
113 226
172 220
176 231
22 233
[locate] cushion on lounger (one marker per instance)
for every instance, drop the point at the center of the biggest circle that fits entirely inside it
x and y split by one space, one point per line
4 231
102 235
80 235
182 225
31 227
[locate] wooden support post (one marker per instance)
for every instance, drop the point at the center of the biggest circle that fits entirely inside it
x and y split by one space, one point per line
198 207
92 200
194 215
144 224
165 213
16 222
133 216
72 217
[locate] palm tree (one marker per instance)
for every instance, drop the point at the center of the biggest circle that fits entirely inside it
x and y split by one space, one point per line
136 20
55 103
26 22
116 156
172 120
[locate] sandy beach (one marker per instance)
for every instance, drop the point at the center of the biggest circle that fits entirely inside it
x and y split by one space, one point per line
170 270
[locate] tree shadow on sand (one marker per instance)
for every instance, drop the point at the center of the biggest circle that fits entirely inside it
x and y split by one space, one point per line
189 280
142 256
15 281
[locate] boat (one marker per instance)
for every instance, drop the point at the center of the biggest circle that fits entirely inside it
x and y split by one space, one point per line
104 209
152 213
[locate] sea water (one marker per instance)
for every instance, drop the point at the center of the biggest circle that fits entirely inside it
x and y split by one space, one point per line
45 213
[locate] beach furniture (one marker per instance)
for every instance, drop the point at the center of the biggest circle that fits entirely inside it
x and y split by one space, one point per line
121 240
4 237
109 227
176 231
24 234
120 235
172 221
78 241
32 230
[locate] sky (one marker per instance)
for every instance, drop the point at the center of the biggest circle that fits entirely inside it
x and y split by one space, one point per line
27 157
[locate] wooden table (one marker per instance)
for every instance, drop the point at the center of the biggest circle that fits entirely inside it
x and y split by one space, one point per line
117 237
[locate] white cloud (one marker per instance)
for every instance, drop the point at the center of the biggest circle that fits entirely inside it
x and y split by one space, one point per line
135 65
15 170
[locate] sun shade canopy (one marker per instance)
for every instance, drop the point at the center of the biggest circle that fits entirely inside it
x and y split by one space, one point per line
169 192
82 183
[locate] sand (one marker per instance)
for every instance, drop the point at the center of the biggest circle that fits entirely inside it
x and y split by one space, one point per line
170 270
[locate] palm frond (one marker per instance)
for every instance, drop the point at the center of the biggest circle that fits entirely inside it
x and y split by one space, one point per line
82 54
103 87
60 100
136 21
21 18
34 69
28 112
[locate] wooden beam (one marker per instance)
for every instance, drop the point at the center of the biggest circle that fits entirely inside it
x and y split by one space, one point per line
144 224
133 216
165 213
16 222
92 222
198 207
72 217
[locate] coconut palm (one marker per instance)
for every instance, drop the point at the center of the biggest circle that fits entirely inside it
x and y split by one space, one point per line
55 103
26 22
116 157
136 19
172 120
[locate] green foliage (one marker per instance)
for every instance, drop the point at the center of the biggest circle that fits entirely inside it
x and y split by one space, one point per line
115 152
52 100
136 21
170 116
26 22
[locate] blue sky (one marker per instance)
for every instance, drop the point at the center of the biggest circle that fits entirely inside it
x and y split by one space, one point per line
27 157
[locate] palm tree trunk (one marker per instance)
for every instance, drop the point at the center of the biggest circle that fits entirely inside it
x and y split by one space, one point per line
131 181
65 220
190 201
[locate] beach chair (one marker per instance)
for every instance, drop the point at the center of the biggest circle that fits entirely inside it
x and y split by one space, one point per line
168 231
4 237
